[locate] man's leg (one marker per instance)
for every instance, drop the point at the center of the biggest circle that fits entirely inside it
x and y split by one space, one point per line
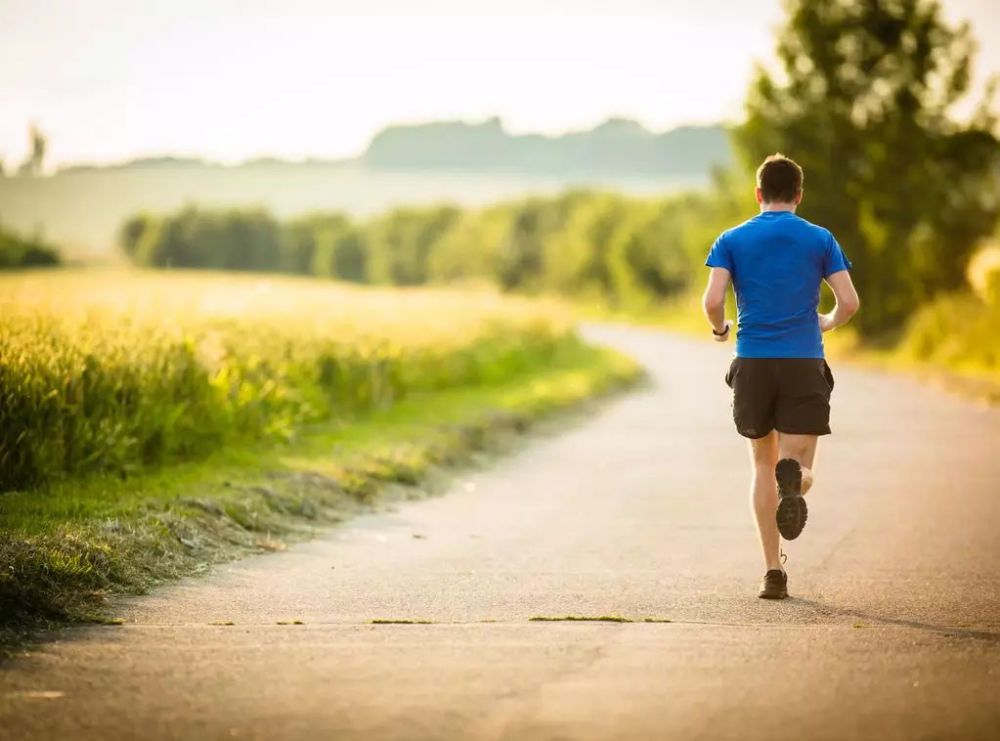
801 448
764 496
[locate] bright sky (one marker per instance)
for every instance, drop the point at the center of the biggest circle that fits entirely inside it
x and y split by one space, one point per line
231 79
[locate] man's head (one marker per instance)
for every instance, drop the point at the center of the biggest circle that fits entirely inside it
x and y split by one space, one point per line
779 181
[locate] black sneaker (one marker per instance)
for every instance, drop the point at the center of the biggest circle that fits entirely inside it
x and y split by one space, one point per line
774 585
792 511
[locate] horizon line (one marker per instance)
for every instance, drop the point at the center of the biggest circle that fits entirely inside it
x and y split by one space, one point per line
206 159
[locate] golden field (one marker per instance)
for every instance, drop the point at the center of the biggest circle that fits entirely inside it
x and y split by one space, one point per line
114 370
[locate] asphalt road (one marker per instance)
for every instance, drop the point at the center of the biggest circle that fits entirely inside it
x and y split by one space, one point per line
639 511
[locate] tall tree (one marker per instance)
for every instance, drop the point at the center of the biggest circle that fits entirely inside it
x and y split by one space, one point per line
32 165
864 102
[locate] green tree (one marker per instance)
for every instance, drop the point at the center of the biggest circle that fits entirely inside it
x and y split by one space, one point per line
519 256
191 238
21 252
469 249
134 230
32 165
400 243
337 247
864 103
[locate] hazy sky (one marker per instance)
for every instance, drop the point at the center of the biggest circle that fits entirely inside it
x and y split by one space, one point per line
110 79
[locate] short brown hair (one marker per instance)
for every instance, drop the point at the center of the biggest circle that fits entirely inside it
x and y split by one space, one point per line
779 179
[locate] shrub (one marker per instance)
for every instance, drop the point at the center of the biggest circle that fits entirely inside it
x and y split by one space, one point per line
19 252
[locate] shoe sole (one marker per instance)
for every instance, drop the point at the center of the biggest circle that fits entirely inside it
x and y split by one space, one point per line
792 510
783 595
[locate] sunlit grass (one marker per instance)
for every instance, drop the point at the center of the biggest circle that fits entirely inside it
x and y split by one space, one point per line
119 370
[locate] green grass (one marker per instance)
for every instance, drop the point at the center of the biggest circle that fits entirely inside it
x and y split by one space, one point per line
581 619
120 371
595 619
66 547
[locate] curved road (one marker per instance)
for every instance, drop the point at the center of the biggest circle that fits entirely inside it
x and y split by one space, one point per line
639 511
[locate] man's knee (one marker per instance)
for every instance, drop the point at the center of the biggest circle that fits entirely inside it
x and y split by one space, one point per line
799 447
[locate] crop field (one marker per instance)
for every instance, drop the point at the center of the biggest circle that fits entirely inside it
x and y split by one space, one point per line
117 370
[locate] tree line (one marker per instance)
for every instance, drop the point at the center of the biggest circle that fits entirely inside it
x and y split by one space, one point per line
601 246
25 252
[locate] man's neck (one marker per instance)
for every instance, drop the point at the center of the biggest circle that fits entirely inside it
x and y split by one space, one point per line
764 207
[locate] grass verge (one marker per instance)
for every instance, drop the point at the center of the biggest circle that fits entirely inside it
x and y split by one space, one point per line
68 546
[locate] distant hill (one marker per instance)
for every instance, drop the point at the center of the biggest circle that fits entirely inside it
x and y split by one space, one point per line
618 146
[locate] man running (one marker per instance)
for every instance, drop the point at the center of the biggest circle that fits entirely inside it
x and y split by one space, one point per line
780 380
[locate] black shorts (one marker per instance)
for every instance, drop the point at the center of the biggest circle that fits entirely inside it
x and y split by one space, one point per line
786 394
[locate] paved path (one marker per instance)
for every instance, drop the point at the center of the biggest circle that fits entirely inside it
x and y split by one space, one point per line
640 511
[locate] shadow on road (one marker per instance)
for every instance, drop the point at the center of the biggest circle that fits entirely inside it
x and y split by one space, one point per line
867 617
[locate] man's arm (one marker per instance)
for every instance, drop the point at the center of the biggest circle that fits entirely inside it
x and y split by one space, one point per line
714 301
847 301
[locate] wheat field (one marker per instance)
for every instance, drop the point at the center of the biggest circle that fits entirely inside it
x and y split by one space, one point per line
116 370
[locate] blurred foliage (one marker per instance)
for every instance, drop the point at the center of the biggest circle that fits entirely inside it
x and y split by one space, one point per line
625 252
399 243
984 273
114 372
863 103
959 329
223 240
325 245
21 252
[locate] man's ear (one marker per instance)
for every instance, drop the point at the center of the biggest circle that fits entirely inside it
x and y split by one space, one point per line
798 198
759 195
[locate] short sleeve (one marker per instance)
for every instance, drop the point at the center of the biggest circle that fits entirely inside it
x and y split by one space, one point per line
834 259
720 256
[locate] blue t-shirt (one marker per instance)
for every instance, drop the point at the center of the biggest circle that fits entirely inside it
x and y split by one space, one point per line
778 262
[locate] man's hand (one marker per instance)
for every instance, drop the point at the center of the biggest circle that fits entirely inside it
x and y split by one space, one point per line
826 322
725 332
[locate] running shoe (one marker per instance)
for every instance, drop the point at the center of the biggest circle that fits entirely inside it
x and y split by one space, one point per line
792 511
774 585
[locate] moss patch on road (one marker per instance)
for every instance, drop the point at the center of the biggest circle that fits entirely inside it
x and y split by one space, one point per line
580 619
595 619
65 548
